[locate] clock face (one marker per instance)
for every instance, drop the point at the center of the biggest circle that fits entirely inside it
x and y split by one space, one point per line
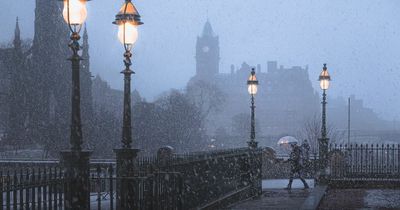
206 49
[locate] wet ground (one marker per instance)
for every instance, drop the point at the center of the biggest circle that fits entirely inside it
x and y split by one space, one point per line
282 183
275 199
361 199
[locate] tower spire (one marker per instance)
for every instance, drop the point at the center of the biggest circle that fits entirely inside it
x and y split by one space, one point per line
207 53
85 44
207 30
86 86
17 35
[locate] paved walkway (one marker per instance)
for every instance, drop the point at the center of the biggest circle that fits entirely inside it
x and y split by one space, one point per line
276 199
361 199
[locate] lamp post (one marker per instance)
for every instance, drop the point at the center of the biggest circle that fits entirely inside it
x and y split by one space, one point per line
252 84
127 20
254 153
75 161
324 79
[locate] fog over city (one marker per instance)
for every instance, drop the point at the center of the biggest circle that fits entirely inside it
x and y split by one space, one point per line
358 39
199 104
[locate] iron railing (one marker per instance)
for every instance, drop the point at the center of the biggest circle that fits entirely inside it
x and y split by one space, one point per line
364 161
208 176
32 189
183 181
151 191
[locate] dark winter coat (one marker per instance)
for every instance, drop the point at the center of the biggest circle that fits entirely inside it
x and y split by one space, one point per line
295 158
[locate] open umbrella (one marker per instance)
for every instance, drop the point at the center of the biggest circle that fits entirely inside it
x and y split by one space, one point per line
286 140
284 144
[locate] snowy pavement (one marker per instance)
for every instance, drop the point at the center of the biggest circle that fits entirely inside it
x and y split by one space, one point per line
276 197
361 199
282 183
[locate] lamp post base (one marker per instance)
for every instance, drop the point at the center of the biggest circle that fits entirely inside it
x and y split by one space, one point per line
125 170
323 160
323 152
76 174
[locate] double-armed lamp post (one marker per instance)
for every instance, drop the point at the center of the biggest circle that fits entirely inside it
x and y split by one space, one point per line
252 84
75 160
324 79
127 20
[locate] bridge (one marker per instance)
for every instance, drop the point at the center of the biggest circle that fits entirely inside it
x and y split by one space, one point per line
203 180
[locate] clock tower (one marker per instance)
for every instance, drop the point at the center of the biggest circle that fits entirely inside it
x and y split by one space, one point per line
207 53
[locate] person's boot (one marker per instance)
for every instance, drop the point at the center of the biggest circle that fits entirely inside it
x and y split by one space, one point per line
289 186
305 184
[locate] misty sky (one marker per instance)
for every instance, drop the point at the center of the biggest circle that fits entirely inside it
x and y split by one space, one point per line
360 41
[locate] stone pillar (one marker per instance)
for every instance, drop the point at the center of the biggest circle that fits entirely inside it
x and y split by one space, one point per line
125 171
256 171
76 174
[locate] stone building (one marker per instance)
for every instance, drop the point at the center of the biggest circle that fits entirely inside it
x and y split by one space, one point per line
13 90
39 81
284 101
109 99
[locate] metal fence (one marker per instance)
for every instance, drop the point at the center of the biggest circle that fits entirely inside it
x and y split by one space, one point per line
32 189
365 161
157 190
183 181
209 176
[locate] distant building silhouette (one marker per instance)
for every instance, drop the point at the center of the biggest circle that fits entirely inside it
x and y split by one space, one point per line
13 91
285 98
39 84
35 87
285 101
207 53
109 99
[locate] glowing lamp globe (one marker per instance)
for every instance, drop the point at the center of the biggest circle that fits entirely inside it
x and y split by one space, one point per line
75 12
128 19
252 83
128 34
324 78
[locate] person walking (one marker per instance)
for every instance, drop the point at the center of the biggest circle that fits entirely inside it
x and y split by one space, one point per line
295 166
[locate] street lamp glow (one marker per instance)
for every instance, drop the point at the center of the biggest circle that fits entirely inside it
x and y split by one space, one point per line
324 78
252 83
75 12
128 19
128 34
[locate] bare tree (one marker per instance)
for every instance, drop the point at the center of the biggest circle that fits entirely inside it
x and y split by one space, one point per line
207 97
311 131
180 122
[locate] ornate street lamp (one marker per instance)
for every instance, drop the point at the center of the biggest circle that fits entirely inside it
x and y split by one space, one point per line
252 84
324 80
76 161
75 14
255 160
127 20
